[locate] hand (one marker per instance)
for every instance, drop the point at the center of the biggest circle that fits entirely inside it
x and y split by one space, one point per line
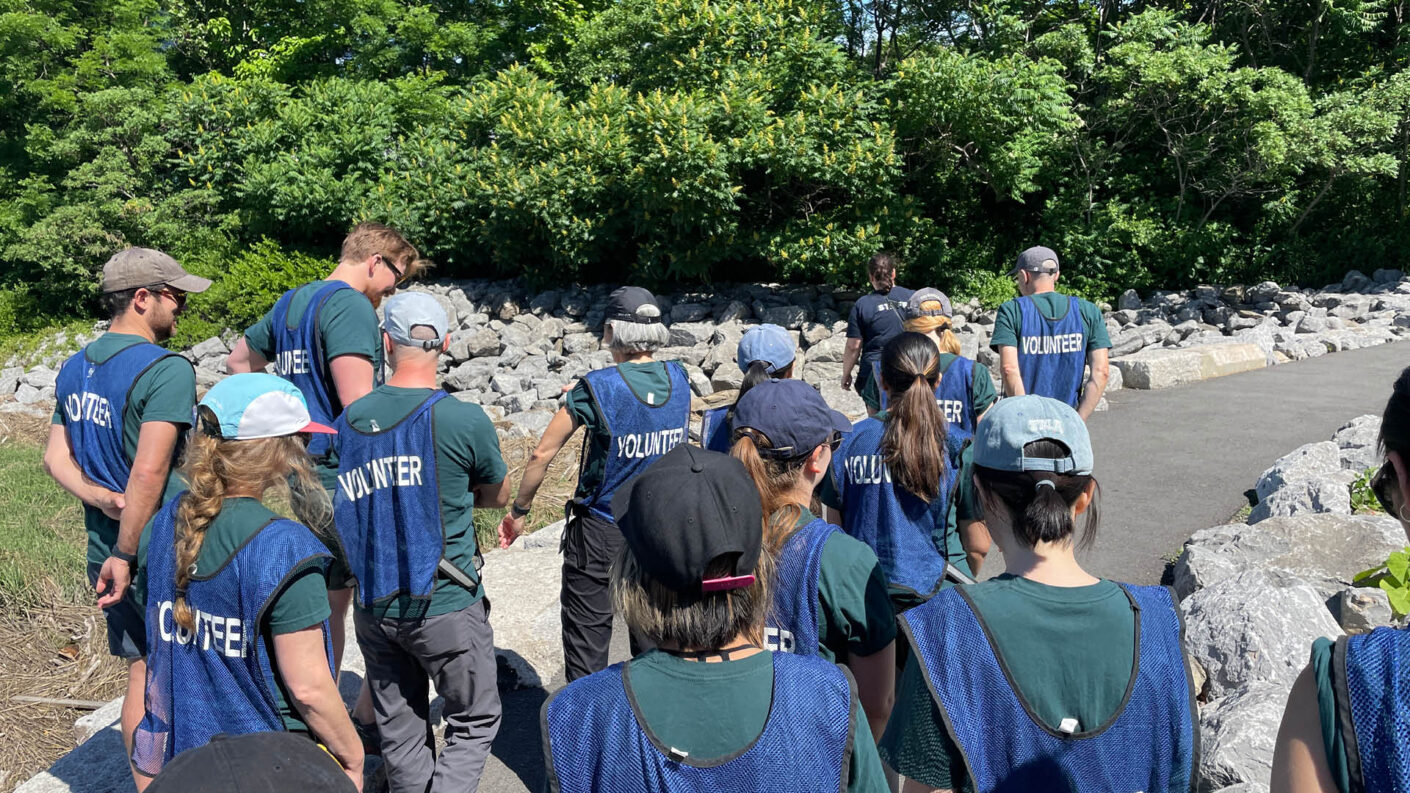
113 581
569 386
111 503
509 529
355 774
847 381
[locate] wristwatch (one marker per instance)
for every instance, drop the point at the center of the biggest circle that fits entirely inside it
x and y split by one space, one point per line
130 558
518 511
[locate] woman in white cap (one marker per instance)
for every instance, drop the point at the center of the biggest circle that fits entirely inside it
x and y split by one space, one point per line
710 709
765 352
1046 677
1347 723
830 596
236 604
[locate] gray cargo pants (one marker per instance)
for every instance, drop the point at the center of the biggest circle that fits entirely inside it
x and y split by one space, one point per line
456 652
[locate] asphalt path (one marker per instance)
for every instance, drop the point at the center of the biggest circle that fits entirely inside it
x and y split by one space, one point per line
1170 463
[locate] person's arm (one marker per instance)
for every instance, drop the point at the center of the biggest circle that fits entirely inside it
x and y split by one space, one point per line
1098 361
245 358
60 465
492 496
1008 368
850 354
303 666
352 377
559 430
876 685
156 443
912 786
974 536
1300 756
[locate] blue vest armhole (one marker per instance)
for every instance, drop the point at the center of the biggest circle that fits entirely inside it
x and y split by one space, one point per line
550 772
904 624
1345 723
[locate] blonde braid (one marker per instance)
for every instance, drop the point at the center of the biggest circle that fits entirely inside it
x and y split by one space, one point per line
205 495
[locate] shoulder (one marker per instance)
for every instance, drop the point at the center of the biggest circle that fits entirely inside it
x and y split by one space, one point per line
465 420
348 303
847 555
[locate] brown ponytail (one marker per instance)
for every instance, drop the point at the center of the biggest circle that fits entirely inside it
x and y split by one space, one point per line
913 445
214 468
775 480
1040 501
882 269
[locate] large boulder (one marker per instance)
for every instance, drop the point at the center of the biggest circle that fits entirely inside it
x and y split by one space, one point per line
1162 368
1239 732
1310 461
1327 494
1356 441
1255 627
523 584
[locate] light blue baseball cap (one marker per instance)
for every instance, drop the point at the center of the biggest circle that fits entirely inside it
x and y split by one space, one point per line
1014 422
406 311
256 405
768 343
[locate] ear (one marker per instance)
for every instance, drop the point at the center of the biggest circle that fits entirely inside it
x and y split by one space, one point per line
1084 500
445 342
388 347
818 461
142 300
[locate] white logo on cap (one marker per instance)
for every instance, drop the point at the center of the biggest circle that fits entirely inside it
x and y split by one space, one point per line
1045 425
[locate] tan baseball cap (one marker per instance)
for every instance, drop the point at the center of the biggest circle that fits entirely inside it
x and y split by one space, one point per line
136 267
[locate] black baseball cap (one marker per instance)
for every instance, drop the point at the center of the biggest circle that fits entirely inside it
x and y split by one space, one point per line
633 304
263 762
688 509
1036 260
791 414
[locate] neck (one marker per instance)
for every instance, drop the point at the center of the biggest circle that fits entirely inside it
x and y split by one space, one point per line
1048 563
350 273
245 493
1038 289
801 494
130 323
638 357
738 647
413 375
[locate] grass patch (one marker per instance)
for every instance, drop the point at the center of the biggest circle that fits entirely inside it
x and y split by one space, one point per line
42 541
1363 500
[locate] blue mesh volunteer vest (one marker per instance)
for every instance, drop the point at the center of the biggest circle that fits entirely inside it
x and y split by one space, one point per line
1149 745
1052 353
640 432
387 506
217 678
715 429
93 397
298 357
792 625
953 394
596 742
1373 678
895 523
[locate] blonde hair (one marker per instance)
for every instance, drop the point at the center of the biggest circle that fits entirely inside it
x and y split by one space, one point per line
215 467
775 480
370 239
707 621
940 326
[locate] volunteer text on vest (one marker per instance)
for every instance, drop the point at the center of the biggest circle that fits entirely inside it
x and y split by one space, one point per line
399 470
1052 345
649 444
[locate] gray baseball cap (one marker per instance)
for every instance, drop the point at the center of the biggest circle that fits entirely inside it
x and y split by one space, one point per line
406 310
1036 260
914 306
137 267
1014 422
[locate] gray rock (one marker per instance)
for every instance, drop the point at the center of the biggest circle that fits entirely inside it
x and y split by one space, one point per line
1262 292
506 383
848 402
1238 734
1245 787
531 422
520 402
689 312
699 382
726 377
815 332
689 334
1127 342
1330 493
10 379
40 377
552 328
1356 281
1387 276
1311 324
99 765
1309 461
574 343
545 302
1254 627
210 347
473 374
483 343
576 303
1360 609
1357 441
524 583
830 350
691 355
27 394
791 317
734 311
1129 301
1115 380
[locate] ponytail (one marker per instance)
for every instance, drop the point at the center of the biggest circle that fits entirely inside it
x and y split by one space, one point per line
1040 501
757 373
775 480
940 326
205 495
882 269
913 444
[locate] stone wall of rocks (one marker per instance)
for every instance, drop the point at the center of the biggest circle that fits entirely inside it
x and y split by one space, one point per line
1255 595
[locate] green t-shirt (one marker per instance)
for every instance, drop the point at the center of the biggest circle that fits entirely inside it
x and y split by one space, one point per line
1053 305
467 455
347 325
1070 651
647 380
302 603
854 609
716 709
981 387
166 391
1332 738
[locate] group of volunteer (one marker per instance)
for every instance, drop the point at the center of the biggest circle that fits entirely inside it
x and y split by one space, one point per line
799 590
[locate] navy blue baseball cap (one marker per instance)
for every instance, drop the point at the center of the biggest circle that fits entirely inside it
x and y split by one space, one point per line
1014 422
791 414
768 343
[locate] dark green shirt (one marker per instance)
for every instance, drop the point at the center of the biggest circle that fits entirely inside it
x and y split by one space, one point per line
467 456
1332 737
981 387
644 379
1070 650
347 325
1053 305
716 709
854 610
165 392
302 603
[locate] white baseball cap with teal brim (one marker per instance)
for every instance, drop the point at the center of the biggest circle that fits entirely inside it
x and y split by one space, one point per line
1014 422
256 405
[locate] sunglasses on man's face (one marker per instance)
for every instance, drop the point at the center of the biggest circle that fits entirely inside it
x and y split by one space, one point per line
1383 484
396 271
